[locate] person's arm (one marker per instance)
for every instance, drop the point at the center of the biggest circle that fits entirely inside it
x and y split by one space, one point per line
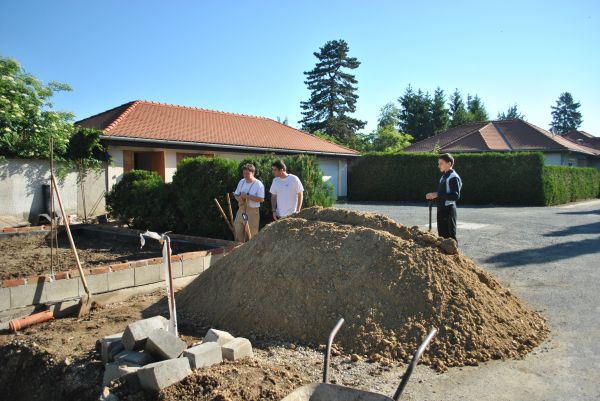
300 199
454 193
274 205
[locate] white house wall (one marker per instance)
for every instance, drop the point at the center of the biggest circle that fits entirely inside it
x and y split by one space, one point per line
334 169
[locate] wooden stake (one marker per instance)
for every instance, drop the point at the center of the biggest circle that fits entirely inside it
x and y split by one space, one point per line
224 216
230 209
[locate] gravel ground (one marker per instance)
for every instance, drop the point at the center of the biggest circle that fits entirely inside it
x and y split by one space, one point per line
549 257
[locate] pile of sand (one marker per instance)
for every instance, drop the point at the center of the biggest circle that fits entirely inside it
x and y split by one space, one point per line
391 284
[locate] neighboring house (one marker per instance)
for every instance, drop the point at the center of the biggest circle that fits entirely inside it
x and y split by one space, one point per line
155 136
511 136
584 138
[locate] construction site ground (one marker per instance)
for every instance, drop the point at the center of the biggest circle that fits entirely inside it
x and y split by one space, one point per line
546 256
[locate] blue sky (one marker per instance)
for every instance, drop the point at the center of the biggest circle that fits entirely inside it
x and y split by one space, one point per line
249 57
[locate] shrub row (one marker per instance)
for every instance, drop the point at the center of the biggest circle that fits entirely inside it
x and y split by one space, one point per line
488 178
568 184
186 205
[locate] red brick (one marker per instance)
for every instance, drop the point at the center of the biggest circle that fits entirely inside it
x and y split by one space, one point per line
74 273
13 282
155 261
231 247
139 263
120 266
99 270
61 275
193 255
216 251
175 258
9 230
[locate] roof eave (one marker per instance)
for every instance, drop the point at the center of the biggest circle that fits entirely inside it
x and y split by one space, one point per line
225 146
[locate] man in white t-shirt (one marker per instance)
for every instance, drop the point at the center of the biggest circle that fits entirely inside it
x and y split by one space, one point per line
250 192
286 192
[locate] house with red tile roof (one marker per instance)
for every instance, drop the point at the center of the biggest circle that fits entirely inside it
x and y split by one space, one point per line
156 136
513 136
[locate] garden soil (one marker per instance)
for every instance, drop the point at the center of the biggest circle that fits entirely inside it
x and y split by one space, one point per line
390 283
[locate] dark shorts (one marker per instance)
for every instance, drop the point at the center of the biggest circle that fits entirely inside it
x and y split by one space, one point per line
446 221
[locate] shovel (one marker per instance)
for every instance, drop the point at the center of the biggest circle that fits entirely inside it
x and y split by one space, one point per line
430 211
85 304
333 392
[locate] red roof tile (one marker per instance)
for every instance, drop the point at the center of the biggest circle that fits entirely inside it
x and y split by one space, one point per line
504 135
164 122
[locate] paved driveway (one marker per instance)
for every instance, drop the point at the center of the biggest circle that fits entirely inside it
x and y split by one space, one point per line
550 257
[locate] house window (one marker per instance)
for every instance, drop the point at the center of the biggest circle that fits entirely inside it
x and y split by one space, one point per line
149 161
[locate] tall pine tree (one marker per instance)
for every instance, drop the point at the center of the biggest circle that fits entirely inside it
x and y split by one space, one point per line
439 112
476 110
415 113
511 114
458 113
333 93
565 115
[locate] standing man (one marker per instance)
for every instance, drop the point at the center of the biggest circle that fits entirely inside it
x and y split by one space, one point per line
249 194
286 192
447 194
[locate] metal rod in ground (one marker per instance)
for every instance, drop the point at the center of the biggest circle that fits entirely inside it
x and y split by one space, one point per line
51 146
224 216
229 207
173 309
86 302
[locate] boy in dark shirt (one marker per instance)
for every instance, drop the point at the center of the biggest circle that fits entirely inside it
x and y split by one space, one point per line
447 194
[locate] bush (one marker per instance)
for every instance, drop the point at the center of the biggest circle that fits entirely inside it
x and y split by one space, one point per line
186 206
316 192
488 178
569 184
197 182
141 200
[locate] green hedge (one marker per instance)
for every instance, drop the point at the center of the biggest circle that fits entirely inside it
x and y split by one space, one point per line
140 200
569 184
186 205
316 193
488 178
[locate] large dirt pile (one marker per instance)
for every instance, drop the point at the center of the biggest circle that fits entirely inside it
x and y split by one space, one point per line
391 284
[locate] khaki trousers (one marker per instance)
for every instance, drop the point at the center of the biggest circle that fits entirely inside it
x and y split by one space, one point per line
253 223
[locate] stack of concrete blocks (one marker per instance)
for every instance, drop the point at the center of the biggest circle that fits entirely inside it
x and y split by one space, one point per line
160 358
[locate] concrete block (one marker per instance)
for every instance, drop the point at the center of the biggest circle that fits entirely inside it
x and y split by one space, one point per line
204 355
175 268
114 350
159 375
147 274
115 370
135 335
108 344
63 289
218 336
65 308
30 294
4 298
193 266
139 358
236 349
96 282
121 279
164 345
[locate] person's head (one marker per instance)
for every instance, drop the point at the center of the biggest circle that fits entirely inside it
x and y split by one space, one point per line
279 168
248 171
445 162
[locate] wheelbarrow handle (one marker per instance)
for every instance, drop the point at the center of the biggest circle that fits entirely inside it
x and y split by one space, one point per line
413 363
328 349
